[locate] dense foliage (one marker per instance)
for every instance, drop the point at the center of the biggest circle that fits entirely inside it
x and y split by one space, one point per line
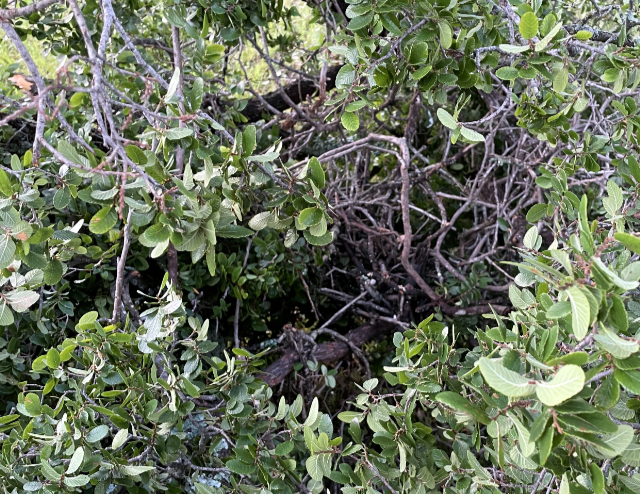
188 188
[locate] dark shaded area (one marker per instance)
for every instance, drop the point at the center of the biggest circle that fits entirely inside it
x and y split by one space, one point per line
297 91
327 352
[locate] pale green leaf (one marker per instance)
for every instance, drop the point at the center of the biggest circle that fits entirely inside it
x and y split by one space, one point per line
76 460
505 381
567 382
580 312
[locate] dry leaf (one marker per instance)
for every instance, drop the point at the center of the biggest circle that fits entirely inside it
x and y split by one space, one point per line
21 81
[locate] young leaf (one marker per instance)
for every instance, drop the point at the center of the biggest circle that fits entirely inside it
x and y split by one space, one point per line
528 26
447 119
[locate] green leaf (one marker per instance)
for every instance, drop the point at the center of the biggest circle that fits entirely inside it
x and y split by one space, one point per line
447 119
119 439
61 198
52 272
283 449
528 26
345 77
249 140
560 80
583 35
178 133
32 404
132 471
613 344
355 105
608 393
325 239
103 221
559 310
34 486
197 92
544 42
240 467
618 314
313 413
316 173
97 433
136 155
205 489
360 22
175 80
350 121
70 153
505 381
457 402
6 315
580 312
49 472
310 216
575 358
471 135
233 231
21 300
630 380
5 184
480 471
8 418
527 446
53 358
507 73
319 465
7 251
514 49
155 234
76 460
349 417
617 442
631 483
259 221
629 241
567 382
545 444
40 235
78 481
419 53
536 213
619 282
446 34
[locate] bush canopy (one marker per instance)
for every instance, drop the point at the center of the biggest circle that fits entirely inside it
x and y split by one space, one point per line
281 246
